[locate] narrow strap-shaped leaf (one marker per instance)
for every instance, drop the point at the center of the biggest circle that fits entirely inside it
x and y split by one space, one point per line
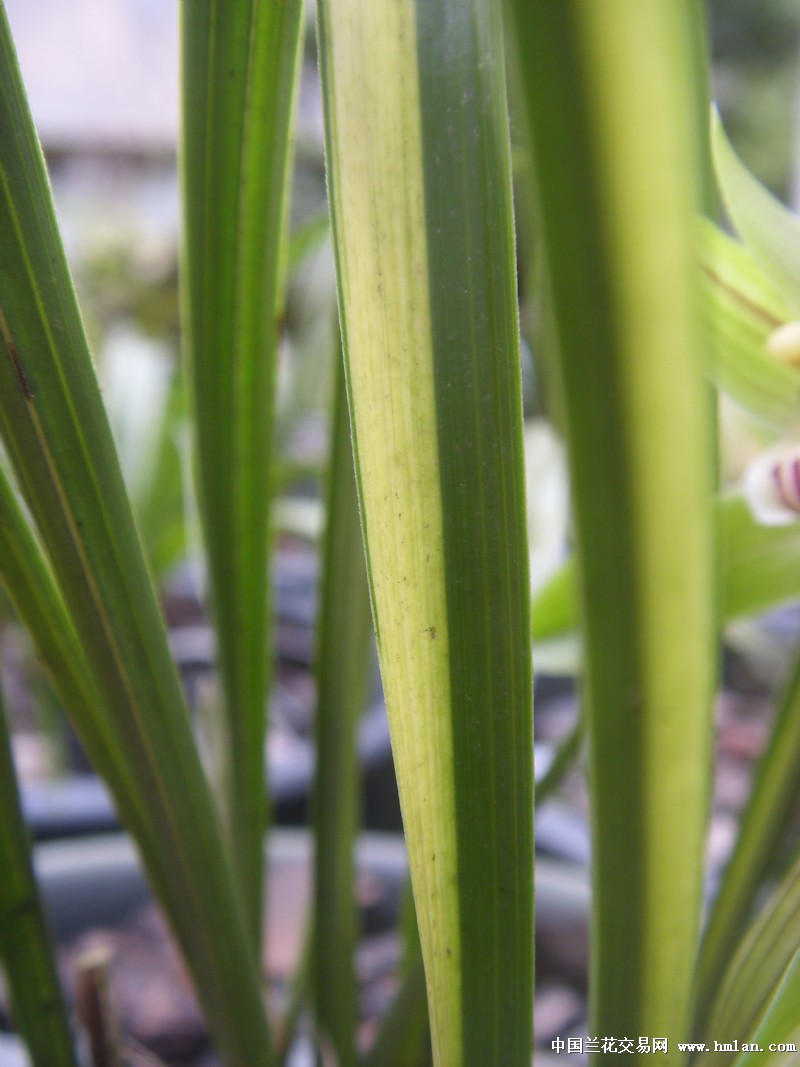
564 758
758 966
29 582
161 507
343 659
700 73
780 1023
783 1055
307 237
419 181
297 998
26 952
741 308
772 803
770 230
402 1039
240 60
607 100
59 442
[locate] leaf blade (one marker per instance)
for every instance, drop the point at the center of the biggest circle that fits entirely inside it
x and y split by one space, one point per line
59 442
614 229
390 83
25 948
342 662
760 964
240 64
771 231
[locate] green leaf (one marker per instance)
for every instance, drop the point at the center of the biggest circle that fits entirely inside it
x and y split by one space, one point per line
555 604
780 1023
759 570
700 72
606 85
27 578
240 63
760 565
564 759
402 1039
762 975
770 231
58 439
770 807
29 582
419 183
741 309
343 662
158 500
25 948
307 237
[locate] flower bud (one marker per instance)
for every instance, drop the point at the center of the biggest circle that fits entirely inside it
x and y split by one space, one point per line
784 343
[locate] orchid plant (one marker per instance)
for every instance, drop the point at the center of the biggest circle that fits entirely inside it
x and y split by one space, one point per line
425 516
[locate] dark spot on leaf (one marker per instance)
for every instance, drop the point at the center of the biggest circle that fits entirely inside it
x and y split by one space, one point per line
14 357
